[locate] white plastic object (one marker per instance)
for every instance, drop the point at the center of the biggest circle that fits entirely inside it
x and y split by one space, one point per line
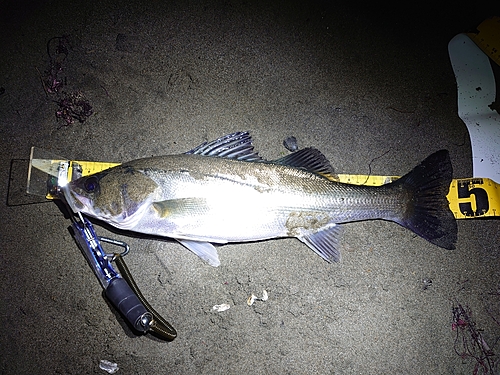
476 91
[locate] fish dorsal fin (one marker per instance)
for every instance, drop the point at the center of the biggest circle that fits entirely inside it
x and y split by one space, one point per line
309 159
233 146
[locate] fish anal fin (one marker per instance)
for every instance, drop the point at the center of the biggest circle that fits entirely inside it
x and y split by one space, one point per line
205 250
325 243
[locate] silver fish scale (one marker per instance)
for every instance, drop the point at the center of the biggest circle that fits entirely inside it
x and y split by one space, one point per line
178 174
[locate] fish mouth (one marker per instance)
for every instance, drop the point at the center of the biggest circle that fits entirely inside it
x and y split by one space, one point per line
76 202
79 203
123 220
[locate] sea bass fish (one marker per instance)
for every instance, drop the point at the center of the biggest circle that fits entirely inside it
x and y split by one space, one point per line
223 191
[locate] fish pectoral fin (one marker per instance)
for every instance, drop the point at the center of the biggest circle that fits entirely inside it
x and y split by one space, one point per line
180 206
325 242
205 250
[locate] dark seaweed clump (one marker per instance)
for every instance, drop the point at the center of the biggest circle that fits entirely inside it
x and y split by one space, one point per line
73 105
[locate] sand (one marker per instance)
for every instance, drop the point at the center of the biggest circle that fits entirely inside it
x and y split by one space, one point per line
372 88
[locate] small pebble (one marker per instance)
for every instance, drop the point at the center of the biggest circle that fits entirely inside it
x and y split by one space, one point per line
290 144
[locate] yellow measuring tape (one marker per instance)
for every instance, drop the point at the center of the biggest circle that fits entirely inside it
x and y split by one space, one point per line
469 197
488 38
88 167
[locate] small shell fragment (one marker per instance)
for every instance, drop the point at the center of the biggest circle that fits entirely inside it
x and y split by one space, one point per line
108 366
221 308
265 296
253 298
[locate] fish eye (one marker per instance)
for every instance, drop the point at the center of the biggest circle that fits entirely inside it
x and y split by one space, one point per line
91 184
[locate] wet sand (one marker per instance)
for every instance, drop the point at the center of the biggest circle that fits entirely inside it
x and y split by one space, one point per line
372 88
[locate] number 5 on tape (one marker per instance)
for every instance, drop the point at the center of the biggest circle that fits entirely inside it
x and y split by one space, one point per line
474 197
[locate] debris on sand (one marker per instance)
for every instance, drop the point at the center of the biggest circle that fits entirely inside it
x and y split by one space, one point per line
470 342
74 105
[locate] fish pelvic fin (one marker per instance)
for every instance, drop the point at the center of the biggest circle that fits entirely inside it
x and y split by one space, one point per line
428 212
205 250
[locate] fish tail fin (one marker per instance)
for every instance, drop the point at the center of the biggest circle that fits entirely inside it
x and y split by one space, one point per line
428 213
